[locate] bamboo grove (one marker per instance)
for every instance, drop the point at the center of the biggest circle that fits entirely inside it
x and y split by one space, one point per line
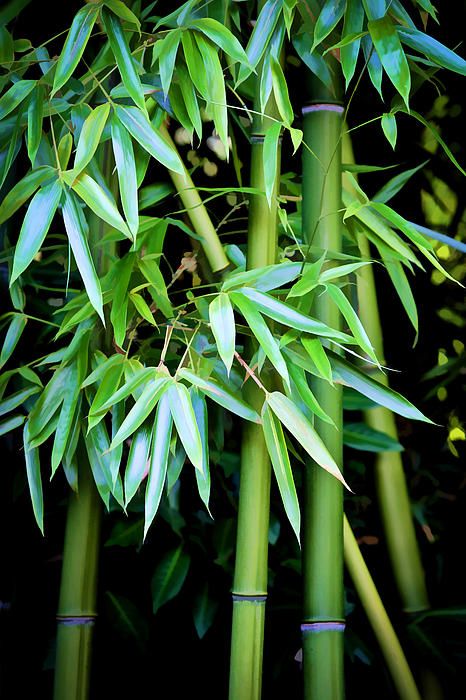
135 371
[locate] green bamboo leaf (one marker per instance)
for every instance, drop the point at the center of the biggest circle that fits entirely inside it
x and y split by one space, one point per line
185 422
123 270
75 43
403 225
352 319
142 308
262 332
202 477
22 190
17 399
123 57
314 61
161 437
190 99
270 158
433 49
137 465
48 404
7 52
302 430
141 409
97 200
141 376
374 64
221 37
348 375
389 128
95 461
127 619
118 414
319 357
195 64
157 288
375 9
204 610
105 461
66 418
353 23
70 457
283 313
395 184
165 51
276 446
123 12
333 273
35 226
280 91
90 136
15 95
388 46
35 118
31 456
214 390
104 395
300 385
77 232
64 149
331 13
260 37
144 133
222 323
6 426
264 278
216 98
13 334
360 436
169 577
438 138
97 374
403 289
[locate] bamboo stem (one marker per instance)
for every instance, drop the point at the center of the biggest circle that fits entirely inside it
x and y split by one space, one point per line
323 623
378 618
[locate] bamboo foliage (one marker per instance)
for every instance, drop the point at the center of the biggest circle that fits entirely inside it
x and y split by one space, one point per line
137 365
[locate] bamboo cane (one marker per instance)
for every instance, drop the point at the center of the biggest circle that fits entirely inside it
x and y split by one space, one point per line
323 623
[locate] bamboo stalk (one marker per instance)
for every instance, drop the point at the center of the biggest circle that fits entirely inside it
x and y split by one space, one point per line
250 579
323 614
378 618
392 490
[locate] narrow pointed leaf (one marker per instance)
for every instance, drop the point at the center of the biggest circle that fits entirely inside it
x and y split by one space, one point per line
354 18
145 134
169 577
48 402
395 184
222 323
280 91
141 409
220 394
185 421
137 465
204 610
221 37
352 319
13 334
90 136
142 308
433 49
31 456
141 376
97 200
123 57
127 177
202 477
360 436
35 117
300 384
14 96
278 452
75 44
167 50
270 158
374 64
389 128
108 386
260 37
331 13
190 99
65 419
77 229
216 85
22 190
264 278
302 430
388 46
119 8
318 356
35 227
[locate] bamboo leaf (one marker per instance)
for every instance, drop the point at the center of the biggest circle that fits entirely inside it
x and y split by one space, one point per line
264 278
141 409
75 44
374 64
169 577
142 308
6 426
352 319
190 99
278 452
145 134
66 417
388 46
202 476
221 37
90 136
17 399
270 158
222 323
214 390
319 357
157 288
22 190
185 422
262 332
314 61
141 376
375 9
97 374
402 288
123 57
353 23
35 117
15 95
195 64
329 16
138 461
350 376
118 312
260 37
283 313
105 394
48 402
389 128
433 49
13 334
204 610
280 91
77 231
123 12
360 436
216 97
395 184
300 385
127 619
167 50
302 430
31 456
97 200
35 226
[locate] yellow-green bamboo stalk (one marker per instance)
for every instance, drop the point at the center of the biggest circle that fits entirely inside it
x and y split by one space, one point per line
380 622
250 579
323 613
392 490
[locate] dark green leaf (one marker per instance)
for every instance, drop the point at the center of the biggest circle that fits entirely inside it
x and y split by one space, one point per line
22 190
260 36
169 577
14 96
395 184
331 13
388 46
433 49
13 334
204 610
361 437
354 17
35 117
31 456
141 409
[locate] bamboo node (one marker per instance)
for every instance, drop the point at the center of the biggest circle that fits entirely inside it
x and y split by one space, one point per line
241 597
323 107
75 620
325 626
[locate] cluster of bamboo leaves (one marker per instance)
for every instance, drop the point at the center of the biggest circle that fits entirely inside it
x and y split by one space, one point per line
106 99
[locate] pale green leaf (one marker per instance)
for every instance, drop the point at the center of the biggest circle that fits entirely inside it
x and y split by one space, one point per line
222 323
90 136
75 44
185 421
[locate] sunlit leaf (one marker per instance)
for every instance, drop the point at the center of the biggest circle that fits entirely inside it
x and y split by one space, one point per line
75 44
185 421
222 323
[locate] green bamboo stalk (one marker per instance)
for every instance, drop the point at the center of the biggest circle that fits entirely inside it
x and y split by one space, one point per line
77 604
250 579
323 612
380 622
392 490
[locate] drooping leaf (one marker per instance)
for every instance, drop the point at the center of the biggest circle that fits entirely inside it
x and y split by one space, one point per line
90 136
143 375
374 64
35 226
388 46
123 57
352 319
361 437
300 385
13 334
126 170
259 39
138 461
403 289
204 610
395 184
141 409
264 278
329 16
77 230
22 190
216 97
127 618
220 36
14 96
222 323
75 44
353 23
119 8
169 577
66 417
185 421
278 452
166 50
35 117
433 49
389 128
202 477
31 456
316 352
